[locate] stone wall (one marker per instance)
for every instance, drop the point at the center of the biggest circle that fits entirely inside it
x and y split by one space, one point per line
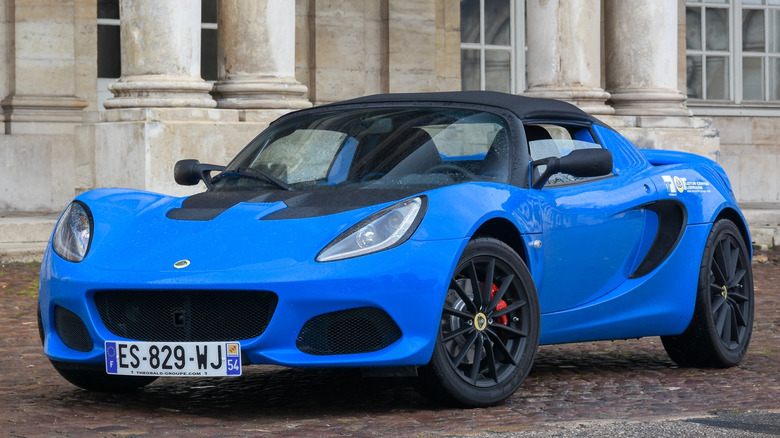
137 148
351 48
86 52
57 143
692 134
750 152
38 173
47 78
6 55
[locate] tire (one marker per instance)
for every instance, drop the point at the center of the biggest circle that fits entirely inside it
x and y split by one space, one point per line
719 332
487 341
94 378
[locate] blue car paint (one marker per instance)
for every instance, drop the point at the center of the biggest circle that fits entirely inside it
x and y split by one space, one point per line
135 246
625 157
305 288
645 306
588 239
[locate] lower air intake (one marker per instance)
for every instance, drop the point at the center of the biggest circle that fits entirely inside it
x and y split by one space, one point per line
360 330
71 330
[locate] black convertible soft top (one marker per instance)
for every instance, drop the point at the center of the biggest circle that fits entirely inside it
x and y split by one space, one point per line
523 107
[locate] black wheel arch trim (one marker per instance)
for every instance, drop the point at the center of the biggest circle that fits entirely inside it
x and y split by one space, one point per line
737 219
503 229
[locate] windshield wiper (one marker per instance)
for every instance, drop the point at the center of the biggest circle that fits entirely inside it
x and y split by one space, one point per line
254 174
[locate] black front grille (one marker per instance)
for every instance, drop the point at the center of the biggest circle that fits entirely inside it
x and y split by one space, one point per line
72 330
186 315
360 330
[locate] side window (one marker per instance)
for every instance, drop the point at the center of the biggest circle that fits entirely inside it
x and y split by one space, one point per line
547 140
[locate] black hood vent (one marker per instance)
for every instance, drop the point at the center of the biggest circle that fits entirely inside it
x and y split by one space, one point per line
300 204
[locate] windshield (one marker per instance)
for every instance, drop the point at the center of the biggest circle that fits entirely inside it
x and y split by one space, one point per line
374 148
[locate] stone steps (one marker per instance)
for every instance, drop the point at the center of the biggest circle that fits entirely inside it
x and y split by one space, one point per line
23 238
764 226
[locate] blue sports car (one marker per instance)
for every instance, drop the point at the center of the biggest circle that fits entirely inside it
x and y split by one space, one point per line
440 235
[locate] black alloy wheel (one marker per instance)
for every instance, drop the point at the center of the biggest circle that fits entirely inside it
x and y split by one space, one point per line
728 300
489 330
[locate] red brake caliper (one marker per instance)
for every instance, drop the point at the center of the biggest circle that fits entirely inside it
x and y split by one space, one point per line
501 304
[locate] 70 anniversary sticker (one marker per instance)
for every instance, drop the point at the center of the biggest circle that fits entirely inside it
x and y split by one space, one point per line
676 184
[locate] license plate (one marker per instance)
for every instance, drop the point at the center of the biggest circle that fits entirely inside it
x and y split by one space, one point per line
173 359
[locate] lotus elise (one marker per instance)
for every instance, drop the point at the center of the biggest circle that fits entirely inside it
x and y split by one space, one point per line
440 235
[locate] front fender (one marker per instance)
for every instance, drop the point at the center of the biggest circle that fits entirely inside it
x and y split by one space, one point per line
456 212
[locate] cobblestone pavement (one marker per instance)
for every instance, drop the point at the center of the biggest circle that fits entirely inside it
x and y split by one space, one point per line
623 383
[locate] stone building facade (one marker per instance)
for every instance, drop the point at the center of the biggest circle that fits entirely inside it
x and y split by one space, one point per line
200 78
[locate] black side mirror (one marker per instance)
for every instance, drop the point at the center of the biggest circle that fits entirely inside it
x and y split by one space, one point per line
191 172
580 162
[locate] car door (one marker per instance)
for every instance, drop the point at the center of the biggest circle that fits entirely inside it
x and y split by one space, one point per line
594 230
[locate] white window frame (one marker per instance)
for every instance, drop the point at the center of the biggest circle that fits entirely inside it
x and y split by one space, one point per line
516 48
735 105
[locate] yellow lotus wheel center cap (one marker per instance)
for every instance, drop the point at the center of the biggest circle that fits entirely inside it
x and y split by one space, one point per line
725 292
480 321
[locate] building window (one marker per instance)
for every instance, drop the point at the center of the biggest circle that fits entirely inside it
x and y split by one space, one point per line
490 59
110 62
733 50
208 40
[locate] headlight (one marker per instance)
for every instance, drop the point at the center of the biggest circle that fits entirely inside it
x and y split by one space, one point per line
383 230
73 233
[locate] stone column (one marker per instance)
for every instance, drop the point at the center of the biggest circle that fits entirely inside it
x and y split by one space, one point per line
564 52
256 50
641 46
160 42
39 67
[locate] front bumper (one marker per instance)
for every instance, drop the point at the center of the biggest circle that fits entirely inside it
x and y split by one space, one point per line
407 283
